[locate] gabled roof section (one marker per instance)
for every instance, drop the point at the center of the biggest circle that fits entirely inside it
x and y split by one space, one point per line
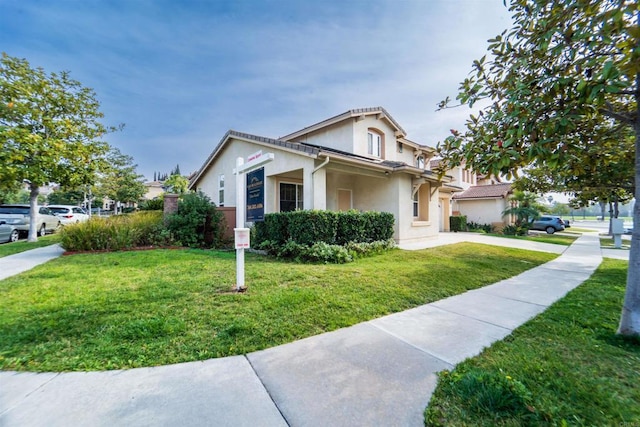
302 149
495 191
347 115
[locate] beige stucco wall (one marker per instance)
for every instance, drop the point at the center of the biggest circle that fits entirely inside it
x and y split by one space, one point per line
339 136
153 192
482 211
410 229
284 162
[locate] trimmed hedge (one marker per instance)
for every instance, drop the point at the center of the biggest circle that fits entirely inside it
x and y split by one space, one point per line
313 226
458 223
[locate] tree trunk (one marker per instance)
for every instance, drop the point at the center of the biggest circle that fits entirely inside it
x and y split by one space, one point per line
630 319
610 218
34 190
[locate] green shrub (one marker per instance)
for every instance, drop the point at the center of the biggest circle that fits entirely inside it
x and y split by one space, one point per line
458 223
309 227
316 235
352 226
276 227
380 226
515 230
325 253
197 223
474 226
152 205
116 233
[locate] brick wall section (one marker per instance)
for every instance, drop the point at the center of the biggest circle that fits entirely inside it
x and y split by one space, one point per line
170 204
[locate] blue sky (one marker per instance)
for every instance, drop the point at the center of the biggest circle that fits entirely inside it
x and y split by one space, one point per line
179 74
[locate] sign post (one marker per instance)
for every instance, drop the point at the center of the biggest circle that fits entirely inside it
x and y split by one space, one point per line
241 233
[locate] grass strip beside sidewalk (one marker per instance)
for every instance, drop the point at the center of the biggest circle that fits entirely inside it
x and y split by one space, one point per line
7 249
147 308
565 367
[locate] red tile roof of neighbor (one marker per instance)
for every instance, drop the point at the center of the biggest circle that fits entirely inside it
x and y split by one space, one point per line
494 191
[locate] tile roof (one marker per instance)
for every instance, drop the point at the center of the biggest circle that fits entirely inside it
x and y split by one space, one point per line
305 148
494 191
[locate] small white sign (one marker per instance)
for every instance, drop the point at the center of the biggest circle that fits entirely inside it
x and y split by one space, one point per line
242 238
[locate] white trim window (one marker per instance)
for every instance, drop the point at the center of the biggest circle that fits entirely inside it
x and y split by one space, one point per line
416 205
221 190
291 197
374 144
420 163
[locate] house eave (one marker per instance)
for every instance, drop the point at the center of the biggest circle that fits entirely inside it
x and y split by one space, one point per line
357 114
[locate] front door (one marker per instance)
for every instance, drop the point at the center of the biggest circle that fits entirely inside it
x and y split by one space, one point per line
344 199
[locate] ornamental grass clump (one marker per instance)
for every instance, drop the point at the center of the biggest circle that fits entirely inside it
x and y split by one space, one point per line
117 232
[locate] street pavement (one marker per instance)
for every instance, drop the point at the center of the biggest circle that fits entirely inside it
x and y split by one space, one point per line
380 372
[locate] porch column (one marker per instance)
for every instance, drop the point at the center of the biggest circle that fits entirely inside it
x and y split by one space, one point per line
320 189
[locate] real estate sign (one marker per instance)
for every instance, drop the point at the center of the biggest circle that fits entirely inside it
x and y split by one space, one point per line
255 195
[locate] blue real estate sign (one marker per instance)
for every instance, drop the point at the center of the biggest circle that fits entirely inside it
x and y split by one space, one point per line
255 195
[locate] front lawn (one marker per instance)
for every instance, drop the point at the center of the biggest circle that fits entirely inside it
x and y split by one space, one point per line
608 243
556 239
22 245
147 308
565 367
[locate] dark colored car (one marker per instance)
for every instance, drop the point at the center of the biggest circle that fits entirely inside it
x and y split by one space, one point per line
548 223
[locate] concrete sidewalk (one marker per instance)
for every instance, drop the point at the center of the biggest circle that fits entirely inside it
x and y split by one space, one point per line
23 261
380 372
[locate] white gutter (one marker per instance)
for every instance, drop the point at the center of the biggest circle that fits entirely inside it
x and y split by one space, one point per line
321 165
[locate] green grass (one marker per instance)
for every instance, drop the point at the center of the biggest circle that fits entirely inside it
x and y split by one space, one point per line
578 230
542 238
21 246
607 243
565 367
147 308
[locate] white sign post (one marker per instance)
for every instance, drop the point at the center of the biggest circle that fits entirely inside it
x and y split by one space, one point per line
241 233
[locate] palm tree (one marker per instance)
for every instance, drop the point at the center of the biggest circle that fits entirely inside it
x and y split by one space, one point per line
524 207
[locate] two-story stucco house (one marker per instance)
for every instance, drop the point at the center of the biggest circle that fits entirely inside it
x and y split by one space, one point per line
360 159
481 199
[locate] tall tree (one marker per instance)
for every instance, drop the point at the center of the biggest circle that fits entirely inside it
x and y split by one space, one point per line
177 184
119 181
567 69
50 129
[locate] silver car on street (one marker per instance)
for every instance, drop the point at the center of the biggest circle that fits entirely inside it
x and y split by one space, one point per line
18 217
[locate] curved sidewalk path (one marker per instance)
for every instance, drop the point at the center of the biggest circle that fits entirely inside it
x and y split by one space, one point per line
23 261
380 372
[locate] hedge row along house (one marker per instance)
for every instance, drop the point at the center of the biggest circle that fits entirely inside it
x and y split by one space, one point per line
360 159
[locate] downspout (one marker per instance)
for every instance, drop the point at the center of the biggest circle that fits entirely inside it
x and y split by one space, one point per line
321 165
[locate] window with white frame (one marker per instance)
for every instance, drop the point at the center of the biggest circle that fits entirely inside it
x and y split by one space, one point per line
416 206
400 147
374 144
221 190
291 197
420 162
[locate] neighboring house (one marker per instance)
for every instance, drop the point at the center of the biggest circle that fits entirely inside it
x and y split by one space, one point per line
154 190
484 204
360 159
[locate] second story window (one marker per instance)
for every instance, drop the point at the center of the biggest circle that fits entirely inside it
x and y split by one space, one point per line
374 144
420 162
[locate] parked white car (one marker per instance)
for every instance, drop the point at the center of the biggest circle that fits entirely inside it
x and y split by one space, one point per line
18 217
69 214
